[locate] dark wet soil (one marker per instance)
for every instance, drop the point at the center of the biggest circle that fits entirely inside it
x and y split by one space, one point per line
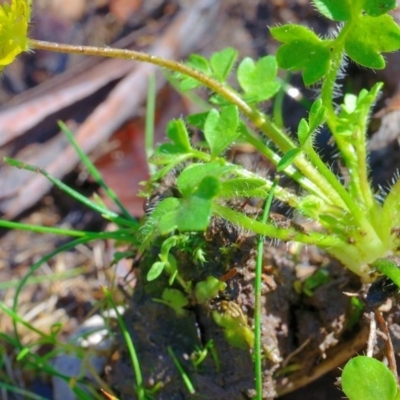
298 330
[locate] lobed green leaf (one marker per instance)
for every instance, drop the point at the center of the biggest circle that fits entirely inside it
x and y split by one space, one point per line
220 129
198 63
302 50
289 32
166 153
191 176
375 8
369 37
178 134
258 80
194 213
336 10
222 62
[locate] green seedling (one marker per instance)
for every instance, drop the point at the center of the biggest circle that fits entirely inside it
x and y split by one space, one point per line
208 289
355 312
175 299
199 355
317 279
237 331
168 262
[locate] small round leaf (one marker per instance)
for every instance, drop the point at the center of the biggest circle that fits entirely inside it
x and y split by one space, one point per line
365 378
155 270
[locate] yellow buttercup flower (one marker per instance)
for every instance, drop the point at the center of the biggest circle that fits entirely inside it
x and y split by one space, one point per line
14 21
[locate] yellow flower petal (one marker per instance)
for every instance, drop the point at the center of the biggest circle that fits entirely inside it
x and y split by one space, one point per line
14 21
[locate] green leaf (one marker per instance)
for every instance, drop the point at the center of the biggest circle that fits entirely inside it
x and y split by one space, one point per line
312 58
220 130
198 63
187 84
356 109
166 212
155 270
288 159
364 378
178 134
258 80
222 62
175 299
171 266
168 222
191 176
388 268
317 279
302 50
194 214
165 153
209 187
317 115
289 32
208 289
236 330
369 37
355 313
375 8
303 132
336 10
195 211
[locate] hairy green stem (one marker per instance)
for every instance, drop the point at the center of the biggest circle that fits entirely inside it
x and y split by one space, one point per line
290 170
357 213
272 231
354 159
391 209
259 119
355 256
361 149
